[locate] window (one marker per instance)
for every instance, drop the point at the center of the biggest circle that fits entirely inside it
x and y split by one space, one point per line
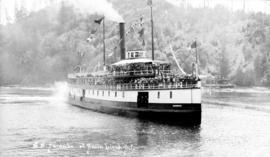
97 92
136 54
123 94
158 95
170 94
93 92
108 93
102 93
115 94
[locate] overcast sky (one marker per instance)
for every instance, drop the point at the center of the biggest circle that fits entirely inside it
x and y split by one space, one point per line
8 7
247 5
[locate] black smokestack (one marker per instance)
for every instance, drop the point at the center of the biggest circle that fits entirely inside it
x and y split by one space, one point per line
122 40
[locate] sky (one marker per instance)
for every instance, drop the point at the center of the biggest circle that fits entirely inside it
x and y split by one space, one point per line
234 5
8 7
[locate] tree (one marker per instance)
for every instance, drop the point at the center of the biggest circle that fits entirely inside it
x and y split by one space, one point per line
224 68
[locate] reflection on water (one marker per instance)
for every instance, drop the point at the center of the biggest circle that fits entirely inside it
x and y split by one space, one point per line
255 96
37 122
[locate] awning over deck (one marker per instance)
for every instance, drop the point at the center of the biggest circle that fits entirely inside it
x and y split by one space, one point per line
141 60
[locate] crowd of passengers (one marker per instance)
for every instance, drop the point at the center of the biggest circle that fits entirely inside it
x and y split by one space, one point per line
155 81
159 79
137 68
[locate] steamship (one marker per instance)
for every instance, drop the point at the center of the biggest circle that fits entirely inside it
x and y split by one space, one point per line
138 86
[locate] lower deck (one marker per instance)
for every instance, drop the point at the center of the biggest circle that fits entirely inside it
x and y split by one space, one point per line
173 104
136 106
176 97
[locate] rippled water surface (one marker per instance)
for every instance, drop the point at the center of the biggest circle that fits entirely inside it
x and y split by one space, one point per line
38 122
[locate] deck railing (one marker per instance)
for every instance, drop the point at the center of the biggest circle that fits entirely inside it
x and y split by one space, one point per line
132 73
144 86
140 73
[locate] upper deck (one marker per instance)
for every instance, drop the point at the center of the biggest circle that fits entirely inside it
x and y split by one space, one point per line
134 73
139 68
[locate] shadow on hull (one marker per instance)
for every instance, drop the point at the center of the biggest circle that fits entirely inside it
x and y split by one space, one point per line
192 118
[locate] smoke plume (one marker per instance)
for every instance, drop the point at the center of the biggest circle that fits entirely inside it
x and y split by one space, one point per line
96 6
8 8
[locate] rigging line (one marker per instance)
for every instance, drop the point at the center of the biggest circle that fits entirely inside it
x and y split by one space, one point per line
183 61
181 70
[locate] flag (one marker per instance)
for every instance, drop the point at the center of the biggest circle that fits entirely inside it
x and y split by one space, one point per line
143 43
90 38
98 21
149 2
193 45
141 32
141 21
132 29
93 31
110 54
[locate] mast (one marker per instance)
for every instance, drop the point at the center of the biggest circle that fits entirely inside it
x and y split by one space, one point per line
150 3
196 49
104 46
194 46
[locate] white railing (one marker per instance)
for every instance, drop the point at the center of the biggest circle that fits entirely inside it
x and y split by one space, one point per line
144 86
123 73
137 72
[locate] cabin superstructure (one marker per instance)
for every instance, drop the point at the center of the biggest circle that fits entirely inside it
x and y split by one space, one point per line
140 86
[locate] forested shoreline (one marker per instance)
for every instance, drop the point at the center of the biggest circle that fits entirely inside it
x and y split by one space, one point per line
44 46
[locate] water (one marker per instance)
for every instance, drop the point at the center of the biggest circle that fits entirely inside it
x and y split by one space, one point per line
257 98
37 122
